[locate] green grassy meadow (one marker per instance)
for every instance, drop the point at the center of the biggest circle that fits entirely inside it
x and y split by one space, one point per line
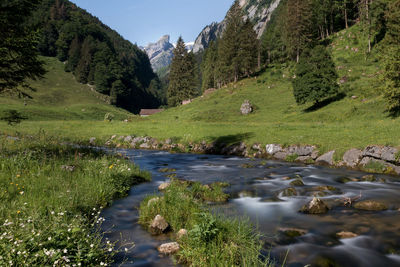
51 197
342 124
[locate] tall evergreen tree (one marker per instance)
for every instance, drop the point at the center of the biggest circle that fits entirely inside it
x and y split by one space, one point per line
182 77
209 66
316 76
392 58
298 26
248 49
18 44
228 46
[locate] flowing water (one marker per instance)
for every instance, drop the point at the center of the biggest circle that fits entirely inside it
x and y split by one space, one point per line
256 192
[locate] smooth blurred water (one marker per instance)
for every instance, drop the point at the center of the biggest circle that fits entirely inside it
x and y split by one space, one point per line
256 194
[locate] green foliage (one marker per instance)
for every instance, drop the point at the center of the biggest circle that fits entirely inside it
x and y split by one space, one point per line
298 28
391 59
182 76
108 117
234 55
97 55
315 76
211 240
18 45
51 198
12 117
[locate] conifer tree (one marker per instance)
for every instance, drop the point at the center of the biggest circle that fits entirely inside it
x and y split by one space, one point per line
392 58
18 45
248 49
209 66
316 76
298 26
228 47
182 77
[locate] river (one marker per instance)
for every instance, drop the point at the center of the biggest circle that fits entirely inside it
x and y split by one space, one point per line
256 193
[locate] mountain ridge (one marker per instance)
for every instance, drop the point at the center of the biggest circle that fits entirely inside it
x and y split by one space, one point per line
257 11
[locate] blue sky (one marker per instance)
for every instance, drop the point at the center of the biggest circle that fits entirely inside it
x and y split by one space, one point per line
144 21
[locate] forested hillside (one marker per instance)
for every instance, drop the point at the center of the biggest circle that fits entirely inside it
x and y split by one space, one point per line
97 55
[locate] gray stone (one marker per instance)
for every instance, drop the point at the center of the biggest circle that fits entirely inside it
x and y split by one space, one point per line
271 149
281 155
304 158
352 157
128 139
389 154
326 158
373 151
181 233
92 141
144 146
159 225
315 206
246 108
163 186
370 205
301 150
169 248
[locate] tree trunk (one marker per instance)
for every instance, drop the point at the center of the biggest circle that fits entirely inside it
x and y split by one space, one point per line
345 16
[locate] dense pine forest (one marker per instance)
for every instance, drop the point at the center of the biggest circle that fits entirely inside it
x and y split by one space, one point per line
96 54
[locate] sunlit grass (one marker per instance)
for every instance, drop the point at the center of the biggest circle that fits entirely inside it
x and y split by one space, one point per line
51 197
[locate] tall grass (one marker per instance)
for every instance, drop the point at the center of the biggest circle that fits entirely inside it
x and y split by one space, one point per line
51 197
211 240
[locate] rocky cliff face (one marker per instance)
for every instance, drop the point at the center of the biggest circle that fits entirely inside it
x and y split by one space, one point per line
258 11
160 53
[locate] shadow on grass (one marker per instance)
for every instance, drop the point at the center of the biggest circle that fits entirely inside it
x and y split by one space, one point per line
228 140
325 102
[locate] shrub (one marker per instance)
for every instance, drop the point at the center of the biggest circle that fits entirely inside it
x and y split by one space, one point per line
315 76
12 117
108 117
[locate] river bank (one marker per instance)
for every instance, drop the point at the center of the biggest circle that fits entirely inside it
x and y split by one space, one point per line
373 158
51 197
271 194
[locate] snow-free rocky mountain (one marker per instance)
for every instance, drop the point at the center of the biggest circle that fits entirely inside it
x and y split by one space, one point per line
161 52
258 11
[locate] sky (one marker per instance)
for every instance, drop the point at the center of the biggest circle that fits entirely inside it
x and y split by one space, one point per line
145 21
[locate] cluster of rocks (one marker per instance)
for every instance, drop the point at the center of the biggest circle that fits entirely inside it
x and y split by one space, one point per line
160 226
386 157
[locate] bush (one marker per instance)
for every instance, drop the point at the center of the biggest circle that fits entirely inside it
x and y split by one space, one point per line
109 117
315 76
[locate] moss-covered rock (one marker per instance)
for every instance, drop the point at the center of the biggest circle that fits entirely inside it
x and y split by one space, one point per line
370 205
297 182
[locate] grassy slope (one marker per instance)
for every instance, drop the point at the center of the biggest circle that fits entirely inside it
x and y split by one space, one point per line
340 125
60 97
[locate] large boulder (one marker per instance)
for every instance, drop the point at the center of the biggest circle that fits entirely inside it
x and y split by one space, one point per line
352 157
159 225
169 248
301 150
271 149
326 158
315 206
246 108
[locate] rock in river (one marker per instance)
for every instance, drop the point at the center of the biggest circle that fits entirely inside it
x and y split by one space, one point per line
315 206
159 225
370 205
169 248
